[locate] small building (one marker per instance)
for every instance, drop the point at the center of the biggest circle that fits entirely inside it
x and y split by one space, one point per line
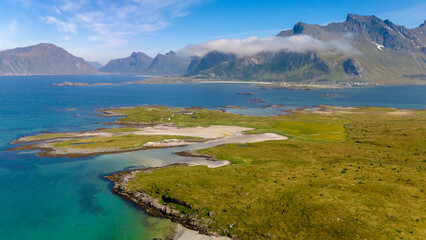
187 113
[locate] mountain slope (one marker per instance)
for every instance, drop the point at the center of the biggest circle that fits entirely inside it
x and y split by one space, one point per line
386 53
266 66
42 59
96 65
210 60
168 64
137 62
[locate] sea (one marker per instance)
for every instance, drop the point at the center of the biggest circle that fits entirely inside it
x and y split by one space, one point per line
67 198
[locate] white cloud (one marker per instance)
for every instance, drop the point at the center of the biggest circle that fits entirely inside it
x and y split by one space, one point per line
72 5
117 22
13 26
57 10
62 26
254 45
248 33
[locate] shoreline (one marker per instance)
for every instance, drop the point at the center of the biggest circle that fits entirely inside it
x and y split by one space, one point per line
49 151
205 136
275 84
191 227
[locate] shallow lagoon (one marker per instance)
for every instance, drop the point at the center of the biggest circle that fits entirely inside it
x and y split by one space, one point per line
63 198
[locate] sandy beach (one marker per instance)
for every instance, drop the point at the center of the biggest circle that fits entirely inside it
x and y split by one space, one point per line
184 233
209 137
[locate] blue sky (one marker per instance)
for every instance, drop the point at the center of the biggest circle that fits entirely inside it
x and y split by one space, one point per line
99 30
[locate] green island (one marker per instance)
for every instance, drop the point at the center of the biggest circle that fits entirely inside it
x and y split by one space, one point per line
343 173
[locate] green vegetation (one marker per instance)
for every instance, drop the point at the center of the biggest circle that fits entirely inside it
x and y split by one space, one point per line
313 130
47 136
365 182
121 130
298 125
120 142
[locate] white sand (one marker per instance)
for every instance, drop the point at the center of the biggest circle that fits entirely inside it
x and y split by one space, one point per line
213 135
214 131
187 234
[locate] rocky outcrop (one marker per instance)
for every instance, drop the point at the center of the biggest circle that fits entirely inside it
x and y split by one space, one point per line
353 68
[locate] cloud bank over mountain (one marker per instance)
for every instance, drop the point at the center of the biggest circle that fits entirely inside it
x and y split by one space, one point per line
254 45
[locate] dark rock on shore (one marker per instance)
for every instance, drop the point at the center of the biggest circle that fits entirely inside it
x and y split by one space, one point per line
154 207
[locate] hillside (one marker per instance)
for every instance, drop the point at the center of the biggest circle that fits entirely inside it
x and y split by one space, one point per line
42 59
385 53
168 64
140 63
137 62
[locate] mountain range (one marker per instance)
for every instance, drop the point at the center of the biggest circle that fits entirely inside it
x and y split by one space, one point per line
140 63
385 53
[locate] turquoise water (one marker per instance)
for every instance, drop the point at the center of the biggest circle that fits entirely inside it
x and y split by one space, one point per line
65 198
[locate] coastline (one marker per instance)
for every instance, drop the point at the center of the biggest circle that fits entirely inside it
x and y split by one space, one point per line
189 80
182 210
179 137
188 227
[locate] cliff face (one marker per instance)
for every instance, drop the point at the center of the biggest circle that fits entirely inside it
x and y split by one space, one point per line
42 59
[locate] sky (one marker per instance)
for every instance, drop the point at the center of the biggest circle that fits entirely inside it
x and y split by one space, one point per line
101 30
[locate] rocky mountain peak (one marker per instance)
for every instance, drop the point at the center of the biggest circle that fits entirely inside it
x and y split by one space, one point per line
362 18
423 25
171 53
298 27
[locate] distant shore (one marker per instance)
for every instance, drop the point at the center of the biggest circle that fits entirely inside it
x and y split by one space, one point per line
185 80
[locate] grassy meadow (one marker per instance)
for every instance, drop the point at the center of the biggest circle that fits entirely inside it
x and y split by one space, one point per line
355 173
296 125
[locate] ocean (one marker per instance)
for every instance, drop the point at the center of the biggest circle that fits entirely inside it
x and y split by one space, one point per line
66 198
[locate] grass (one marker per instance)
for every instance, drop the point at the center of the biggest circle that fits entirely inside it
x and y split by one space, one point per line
121 142
47 136
313 130
120 130
312 126
365 182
